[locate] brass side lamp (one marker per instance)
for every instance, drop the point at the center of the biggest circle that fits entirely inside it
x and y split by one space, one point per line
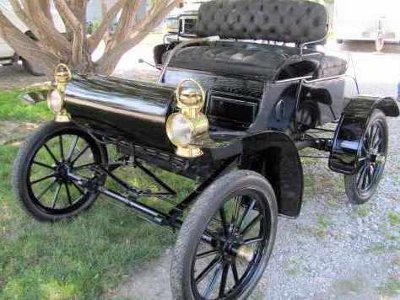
185 126
55 97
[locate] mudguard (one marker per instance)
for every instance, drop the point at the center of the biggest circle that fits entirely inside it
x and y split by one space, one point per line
274 155
350 132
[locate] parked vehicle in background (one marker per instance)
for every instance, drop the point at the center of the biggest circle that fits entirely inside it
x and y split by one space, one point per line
8 56
181 22
367 20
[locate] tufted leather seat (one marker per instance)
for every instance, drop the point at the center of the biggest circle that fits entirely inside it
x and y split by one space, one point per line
242 58
285 21
275 20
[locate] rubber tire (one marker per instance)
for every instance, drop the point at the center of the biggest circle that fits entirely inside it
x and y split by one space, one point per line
350 181
198 218
25 153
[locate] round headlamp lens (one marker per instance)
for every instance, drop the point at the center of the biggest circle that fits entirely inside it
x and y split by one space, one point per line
179 130
55 101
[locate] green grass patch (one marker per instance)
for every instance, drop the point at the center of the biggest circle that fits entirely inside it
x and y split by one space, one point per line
390 287
12 108
78 259
394 218
81 258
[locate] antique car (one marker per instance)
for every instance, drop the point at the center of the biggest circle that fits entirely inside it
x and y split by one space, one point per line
231 110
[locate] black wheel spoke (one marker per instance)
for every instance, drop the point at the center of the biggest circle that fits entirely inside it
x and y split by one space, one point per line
223 221
78 188
212 282
208 269
43 179
364 178
236 213
78 168
212 235
55 198
72 148
61 144
224 278
235 272
51 153
46 189
361 178
250 225
375 135
68 193
246 213
207 254
252 241
80 154
43 165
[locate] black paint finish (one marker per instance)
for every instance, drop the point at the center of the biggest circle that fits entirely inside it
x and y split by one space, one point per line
351 129
126 109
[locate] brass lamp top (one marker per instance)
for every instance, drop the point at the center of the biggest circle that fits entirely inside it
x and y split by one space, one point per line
190 94
62 74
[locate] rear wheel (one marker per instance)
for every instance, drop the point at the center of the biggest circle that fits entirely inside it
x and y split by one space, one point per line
361 186
42 169
225 242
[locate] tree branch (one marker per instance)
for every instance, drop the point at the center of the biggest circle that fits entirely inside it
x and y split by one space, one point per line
98 35
151 20
80 54
125 23
48 35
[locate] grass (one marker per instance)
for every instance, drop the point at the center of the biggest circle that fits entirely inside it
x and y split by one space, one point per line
390 287
83 258
323 224
346 287
13 109
394 218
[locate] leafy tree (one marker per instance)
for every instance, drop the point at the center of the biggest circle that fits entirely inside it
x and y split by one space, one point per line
44 46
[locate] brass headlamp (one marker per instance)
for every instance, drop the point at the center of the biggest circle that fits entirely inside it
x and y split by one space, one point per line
187 125
55 97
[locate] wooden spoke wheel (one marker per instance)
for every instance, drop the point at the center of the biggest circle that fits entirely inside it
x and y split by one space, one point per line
42 170
361 186
226 241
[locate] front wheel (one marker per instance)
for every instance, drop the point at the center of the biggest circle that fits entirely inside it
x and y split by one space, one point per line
42 179
226 240
361 186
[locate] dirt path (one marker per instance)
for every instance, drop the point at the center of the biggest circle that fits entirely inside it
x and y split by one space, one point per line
15 77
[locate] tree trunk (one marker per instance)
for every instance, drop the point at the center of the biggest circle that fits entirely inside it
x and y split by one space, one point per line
26 47
50 47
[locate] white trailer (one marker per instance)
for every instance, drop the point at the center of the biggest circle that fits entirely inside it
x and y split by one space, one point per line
367 20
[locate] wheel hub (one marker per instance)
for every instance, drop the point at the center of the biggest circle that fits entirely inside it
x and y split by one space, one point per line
62 171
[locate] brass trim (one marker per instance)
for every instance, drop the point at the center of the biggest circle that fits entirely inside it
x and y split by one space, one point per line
62 76
190 102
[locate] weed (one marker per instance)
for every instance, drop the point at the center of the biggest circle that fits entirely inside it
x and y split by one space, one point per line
390 287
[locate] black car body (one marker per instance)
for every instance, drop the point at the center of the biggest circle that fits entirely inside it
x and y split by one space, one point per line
238 101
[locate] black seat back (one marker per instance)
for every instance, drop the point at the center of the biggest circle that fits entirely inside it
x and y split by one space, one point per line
273 20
